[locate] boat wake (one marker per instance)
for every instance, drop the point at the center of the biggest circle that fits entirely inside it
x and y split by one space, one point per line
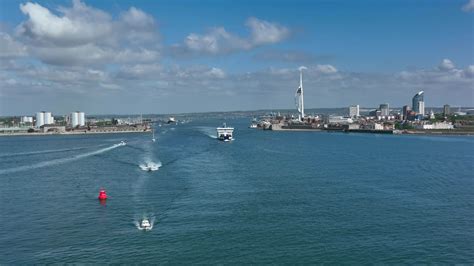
60 161
42 152
208 131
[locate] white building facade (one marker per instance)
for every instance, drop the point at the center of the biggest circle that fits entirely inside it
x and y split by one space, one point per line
354 111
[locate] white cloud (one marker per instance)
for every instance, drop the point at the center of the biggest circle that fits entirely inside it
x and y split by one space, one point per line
10 48
219 41
446 65
469 6
82 35
325 69
469 72
216 73
445 73
216 41
264 32
136 18
78 25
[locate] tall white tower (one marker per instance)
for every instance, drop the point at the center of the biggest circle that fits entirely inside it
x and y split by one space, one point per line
300 97
302 94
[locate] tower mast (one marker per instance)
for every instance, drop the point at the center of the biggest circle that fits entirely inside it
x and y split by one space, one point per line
302 95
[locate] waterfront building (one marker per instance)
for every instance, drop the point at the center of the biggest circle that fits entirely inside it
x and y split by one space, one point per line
48 118
74 119
44 118
437 125
384 109
39 119
339 120
81 119
446 110
26 119
405 111
418 103
354 111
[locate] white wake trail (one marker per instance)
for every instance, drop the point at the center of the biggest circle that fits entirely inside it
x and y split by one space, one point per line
41 152
208 131
58 161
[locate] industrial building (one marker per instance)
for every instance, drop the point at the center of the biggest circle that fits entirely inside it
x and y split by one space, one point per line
77 118
44 118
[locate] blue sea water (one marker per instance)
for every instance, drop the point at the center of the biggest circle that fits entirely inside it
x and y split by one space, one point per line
267 197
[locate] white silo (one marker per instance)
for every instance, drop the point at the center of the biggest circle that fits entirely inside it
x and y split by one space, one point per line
48 119
39 119
74 119
82 119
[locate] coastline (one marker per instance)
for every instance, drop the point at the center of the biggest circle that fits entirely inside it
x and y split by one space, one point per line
72 133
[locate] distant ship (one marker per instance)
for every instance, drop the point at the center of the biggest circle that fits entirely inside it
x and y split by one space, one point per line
171 120
225 133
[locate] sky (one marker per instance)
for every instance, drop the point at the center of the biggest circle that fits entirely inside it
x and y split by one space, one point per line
132 57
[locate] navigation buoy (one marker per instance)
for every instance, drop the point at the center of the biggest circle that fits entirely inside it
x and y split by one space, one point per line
102 194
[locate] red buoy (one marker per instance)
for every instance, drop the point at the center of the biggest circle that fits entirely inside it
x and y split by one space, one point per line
102 194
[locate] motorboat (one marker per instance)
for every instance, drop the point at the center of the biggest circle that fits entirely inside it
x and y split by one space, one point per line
254 123
171 120
122 143
149 167
225 133
145 225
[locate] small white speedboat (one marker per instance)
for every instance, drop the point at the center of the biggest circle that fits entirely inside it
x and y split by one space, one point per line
149 167
122 143
145 225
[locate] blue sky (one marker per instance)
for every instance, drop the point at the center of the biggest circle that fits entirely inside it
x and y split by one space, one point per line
185 56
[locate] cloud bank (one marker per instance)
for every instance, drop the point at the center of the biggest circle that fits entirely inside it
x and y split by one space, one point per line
218 40
83 58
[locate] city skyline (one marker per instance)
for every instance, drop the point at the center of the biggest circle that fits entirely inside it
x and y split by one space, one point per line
161 57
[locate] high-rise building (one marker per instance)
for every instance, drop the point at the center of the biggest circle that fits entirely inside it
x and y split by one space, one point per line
405 111
418 103
384 109
354 111
446 110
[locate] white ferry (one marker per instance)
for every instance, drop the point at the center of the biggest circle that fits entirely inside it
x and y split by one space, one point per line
225 133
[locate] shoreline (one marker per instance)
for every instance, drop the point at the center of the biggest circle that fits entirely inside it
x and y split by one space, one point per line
453 132
72 133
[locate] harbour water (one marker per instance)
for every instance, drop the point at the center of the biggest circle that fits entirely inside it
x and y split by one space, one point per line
266 197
